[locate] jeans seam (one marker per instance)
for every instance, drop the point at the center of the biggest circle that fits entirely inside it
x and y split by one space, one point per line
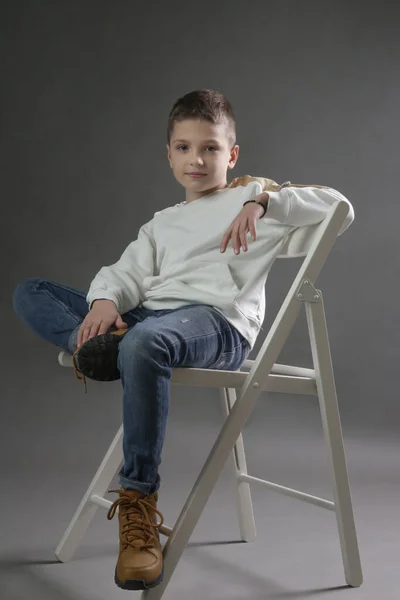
60 303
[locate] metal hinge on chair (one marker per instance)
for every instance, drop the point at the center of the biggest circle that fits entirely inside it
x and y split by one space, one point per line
308 293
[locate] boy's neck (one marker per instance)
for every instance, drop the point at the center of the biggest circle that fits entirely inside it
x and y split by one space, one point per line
217 188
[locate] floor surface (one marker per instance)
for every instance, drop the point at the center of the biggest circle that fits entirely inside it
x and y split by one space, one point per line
54 445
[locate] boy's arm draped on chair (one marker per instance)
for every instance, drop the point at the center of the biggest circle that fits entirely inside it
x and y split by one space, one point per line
297 205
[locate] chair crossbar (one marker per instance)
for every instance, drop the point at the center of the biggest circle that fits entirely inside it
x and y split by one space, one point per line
289 492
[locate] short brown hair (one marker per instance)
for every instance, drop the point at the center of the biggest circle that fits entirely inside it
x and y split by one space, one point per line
210 105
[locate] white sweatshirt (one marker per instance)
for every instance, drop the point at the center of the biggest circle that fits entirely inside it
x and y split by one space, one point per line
176 258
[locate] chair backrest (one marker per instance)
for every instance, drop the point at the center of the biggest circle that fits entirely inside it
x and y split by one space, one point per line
301 239
314 243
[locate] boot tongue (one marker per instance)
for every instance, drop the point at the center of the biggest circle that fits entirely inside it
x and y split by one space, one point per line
135 535
135 516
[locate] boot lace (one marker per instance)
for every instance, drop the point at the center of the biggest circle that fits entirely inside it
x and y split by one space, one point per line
76 371
137 520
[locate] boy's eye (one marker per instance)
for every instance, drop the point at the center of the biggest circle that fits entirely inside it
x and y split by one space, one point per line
185 146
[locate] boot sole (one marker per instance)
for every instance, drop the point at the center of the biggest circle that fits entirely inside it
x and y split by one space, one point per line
98 357
138 584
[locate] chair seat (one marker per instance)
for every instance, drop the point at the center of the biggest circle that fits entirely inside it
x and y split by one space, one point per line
283 378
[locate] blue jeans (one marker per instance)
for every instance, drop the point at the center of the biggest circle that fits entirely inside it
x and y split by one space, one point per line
195 335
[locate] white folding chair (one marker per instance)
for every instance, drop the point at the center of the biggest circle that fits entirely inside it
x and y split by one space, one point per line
255 376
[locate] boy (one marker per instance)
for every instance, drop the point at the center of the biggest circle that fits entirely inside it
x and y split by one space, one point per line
175 298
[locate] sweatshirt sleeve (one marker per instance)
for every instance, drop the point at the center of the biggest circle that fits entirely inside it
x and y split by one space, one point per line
308 205
122 282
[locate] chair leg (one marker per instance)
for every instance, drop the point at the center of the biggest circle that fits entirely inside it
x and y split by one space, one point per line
243 495
334 440
86 510
205 482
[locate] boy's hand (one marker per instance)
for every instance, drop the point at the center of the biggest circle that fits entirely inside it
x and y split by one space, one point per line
99 319
244 222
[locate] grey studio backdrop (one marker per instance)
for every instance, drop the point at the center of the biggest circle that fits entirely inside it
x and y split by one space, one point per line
86 92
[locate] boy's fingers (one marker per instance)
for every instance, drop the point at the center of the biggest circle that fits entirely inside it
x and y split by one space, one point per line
93 330
85 334
103 329
243 239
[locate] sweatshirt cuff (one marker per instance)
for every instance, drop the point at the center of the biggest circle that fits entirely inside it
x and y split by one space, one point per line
101 294
278 206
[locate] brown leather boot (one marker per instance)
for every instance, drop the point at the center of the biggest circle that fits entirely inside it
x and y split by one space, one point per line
140 561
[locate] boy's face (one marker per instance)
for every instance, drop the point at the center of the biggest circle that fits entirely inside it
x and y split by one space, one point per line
197 145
